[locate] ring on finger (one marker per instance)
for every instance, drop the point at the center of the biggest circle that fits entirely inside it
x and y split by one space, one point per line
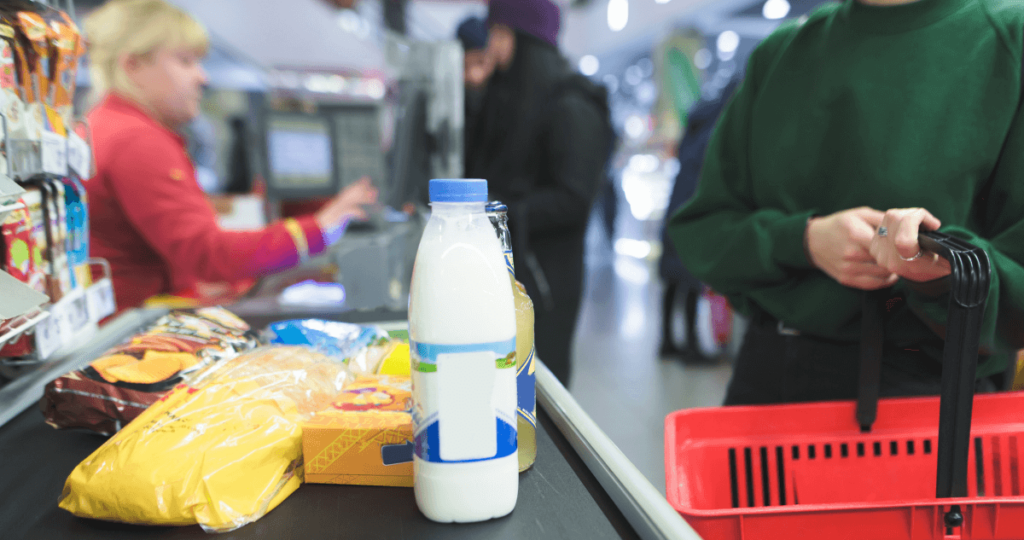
883 231
914 258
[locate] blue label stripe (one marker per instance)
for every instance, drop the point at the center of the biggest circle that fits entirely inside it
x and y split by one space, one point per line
428 352
428 443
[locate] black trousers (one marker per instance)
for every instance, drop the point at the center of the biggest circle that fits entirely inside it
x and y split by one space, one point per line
774 368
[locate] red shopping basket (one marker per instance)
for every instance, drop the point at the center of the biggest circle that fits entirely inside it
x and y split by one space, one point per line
811 471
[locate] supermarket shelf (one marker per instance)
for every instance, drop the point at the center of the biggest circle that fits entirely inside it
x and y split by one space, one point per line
62 326
14 328
8 208
9 189
25 391
19 298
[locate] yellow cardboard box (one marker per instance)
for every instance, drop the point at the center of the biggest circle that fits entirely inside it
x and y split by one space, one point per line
365 437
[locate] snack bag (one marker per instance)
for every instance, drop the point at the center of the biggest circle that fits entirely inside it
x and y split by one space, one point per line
65 51
117 387
17 259
33 27
362 348
77 232
33 199
15 83
16 234
220 454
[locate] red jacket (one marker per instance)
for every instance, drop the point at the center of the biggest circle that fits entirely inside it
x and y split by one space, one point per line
150 219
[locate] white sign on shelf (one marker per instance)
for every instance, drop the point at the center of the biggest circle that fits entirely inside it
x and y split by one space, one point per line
79 156
49 336
101 299
55 154
73 312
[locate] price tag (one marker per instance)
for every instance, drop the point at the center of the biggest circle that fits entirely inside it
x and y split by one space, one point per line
74 314
49 337
101 299
55 154
79 156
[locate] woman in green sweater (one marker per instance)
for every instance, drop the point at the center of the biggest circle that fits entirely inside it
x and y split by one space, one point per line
867 117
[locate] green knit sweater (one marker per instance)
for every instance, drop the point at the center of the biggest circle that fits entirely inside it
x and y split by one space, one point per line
858 105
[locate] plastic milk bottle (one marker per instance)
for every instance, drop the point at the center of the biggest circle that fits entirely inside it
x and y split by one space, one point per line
462 330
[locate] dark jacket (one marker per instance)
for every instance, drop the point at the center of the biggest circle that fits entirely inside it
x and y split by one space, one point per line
700 124
542 141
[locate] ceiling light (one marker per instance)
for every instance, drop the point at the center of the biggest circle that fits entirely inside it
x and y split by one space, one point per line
776 9
589 65
618 14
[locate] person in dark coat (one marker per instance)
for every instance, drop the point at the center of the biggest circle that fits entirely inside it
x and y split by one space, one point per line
700 124
542 143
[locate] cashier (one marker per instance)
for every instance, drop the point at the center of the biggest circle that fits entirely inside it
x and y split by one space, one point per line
148 215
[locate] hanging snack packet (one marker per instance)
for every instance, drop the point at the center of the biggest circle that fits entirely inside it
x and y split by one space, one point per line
65 47
33 28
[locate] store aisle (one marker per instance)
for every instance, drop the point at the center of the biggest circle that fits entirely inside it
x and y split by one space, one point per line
618 377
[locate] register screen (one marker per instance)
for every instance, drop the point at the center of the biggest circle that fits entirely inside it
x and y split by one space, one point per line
299 152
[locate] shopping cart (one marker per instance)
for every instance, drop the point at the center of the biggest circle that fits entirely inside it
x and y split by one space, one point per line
830 471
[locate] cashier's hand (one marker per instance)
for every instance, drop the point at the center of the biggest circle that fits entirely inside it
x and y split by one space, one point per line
348 205
839 245
898 251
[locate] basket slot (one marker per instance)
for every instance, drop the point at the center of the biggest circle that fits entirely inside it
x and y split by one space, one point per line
734 478
766 481
748 461
844 450
894 448
997 467
877 447
910 447
780 466
927 446
811 452
1014 467
860 449
979 465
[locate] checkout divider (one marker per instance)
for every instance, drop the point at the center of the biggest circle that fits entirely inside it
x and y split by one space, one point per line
576 442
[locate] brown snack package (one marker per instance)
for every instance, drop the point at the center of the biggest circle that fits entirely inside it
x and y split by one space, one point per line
114 389
33 27
65 48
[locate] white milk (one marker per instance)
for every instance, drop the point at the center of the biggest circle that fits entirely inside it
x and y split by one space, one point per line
462 326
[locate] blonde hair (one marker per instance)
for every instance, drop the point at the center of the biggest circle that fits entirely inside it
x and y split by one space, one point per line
135 27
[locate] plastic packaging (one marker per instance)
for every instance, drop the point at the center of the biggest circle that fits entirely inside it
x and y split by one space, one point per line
362 348
462 330
221 453
123 382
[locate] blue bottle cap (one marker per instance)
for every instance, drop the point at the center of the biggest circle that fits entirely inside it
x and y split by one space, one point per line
458 191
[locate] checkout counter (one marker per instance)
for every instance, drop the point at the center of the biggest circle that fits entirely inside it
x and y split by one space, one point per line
581 487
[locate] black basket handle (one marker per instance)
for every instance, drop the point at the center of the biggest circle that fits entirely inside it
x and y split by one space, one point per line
969 281
970 272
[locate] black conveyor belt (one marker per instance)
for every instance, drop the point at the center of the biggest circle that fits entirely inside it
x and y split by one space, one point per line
558 499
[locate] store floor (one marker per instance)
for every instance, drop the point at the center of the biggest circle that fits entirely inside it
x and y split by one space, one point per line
618 377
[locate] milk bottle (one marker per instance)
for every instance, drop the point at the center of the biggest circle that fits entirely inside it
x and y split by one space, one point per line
462 330
526 376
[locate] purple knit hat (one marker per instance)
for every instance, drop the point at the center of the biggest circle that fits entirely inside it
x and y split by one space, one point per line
540 18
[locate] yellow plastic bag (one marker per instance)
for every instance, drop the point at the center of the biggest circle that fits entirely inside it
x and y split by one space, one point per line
221 454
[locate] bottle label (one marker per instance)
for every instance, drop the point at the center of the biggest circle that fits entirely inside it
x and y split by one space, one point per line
509 263
526 386
465 401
